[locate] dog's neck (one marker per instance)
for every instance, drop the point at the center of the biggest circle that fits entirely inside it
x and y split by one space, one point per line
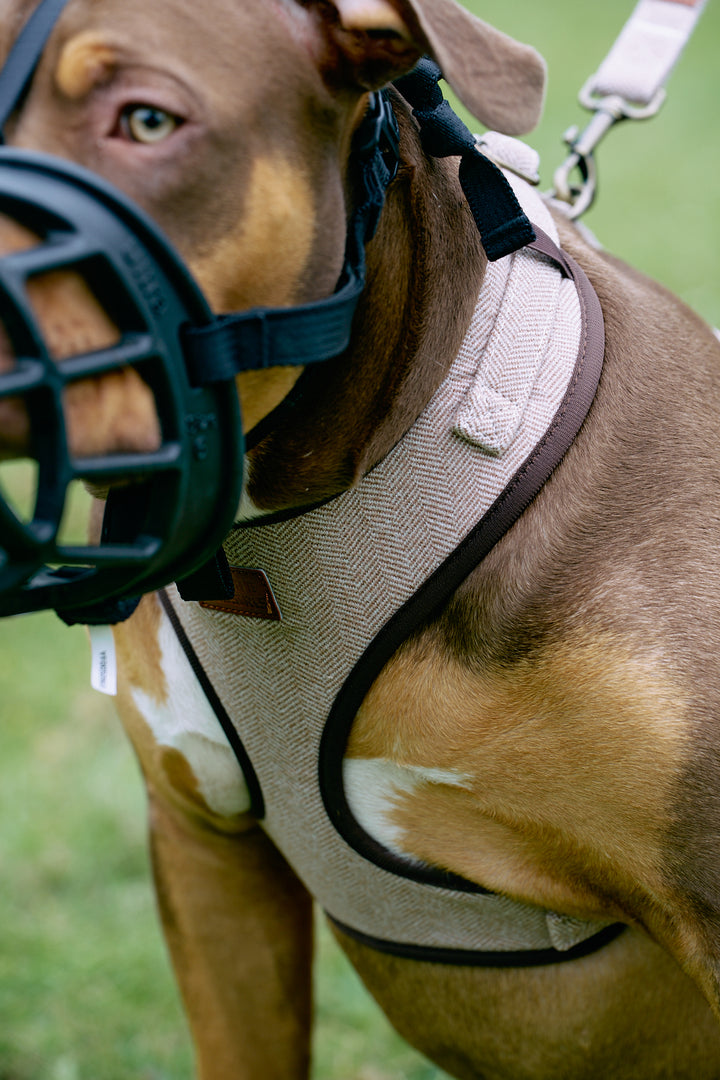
425 267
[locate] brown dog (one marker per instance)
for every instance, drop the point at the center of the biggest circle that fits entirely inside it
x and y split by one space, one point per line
571 682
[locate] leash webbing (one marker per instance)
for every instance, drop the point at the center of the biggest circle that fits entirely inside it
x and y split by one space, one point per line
628 85
648 48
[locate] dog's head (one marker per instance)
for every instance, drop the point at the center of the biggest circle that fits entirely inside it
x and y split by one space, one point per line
230 124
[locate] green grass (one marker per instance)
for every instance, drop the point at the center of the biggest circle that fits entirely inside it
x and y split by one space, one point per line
85 989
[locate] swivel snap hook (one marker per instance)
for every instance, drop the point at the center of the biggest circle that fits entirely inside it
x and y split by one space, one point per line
608 110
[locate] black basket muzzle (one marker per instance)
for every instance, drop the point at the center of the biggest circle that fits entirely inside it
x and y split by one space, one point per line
168 510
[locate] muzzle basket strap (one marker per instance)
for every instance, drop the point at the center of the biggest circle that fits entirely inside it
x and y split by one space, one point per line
299 336
315 332
19 69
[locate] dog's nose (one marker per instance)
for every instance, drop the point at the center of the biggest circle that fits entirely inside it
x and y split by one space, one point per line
108 414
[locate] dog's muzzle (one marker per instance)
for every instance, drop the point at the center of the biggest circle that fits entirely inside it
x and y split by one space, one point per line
167 510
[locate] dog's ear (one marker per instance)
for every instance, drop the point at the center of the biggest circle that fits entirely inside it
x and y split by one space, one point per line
500 81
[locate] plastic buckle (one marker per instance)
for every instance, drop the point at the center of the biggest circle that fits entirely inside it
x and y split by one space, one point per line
378 131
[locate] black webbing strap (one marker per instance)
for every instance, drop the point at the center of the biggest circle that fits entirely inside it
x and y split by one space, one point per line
312 333
211 581
319 331
103 613
502 224
264 338
17 74
521 958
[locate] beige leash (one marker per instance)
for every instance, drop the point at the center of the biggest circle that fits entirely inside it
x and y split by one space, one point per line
628 85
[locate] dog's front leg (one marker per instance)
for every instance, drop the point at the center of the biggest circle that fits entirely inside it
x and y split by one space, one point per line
239 928
237 920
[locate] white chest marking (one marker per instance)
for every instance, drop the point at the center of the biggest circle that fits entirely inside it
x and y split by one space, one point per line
186 723
247 510
373 787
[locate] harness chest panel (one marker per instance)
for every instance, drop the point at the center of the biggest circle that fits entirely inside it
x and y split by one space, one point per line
342 570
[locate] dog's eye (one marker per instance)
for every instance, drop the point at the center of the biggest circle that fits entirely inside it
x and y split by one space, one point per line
146 124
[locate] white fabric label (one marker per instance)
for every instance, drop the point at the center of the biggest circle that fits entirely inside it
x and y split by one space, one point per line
103 675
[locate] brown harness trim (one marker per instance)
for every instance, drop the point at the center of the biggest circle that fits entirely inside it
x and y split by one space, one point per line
426 602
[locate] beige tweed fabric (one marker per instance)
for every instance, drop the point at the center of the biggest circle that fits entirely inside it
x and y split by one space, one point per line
340 571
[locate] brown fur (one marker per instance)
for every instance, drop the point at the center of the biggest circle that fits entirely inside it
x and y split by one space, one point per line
211 876
571 680
564 721
218 915
414 317
627 1012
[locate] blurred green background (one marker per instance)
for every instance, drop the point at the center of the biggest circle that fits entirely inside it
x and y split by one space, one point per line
85 990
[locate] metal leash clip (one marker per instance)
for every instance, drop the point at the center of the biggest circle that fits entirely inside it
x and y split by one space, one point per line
608 110
628 85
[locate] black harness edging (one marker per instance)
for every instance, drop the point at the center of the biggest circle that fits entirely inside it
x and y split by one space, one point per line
257 802
521 958
436 592
440 586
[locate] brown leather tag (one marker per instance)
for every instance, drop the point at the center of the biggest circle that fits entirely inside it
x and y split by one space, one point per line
254 598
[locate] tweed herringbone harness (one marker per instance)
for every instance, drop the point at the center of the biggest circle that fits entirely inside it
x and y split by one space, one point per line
353 578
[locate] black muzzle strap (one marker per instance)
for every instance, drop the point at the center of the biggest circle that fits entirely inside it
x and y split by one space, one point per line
319 331
277 337
502 224
16 76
